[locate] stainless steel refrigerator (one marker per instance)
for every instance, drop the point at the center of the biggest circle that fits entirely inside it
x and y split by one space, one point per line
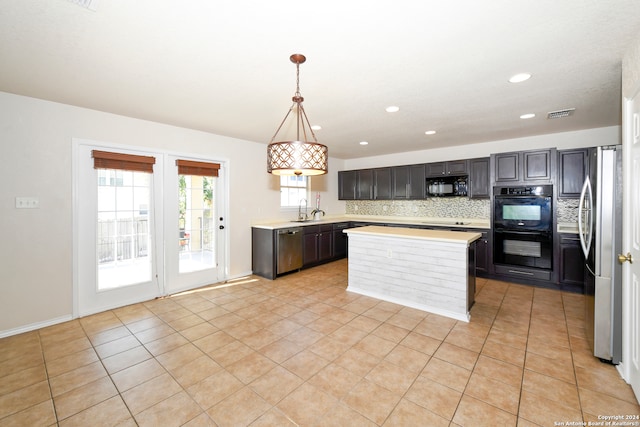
600 225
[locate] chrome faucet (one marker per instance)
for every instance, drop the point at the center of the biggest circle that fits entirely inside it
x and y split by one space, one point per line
302 217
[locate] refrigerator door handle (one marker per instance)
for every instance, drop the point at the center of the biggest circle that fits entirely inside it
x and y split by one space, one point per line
584 217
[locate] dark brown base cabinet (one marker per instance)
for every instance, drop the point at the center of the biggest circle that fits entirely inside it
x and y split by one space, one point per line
340 241
483 253
571 264
327 242
317 244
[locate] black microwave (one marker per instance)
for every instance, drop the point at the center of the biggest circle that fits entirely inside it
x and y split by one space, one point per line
447 186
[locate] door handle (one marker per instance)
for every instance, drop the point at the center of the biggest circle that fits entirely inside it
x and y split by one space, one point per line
623 258
221 227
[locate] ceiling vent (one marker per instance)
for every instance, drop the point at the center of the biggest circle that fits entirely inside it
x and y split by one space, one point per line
88 4
560 113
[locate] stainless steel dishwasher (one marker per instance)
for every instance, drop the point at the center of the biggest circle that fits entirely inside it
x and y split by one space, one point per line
289 246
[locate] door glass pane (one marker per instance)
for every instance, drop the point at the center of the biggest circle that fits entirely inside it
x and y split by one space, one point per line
196 223
123 232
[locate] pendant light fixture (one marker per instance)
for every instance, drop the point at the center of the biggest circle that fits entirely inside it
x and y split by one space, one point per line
299 157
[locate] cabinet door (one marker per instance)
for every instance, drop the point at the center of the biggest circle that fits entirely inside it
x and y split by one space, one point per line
382 184
401 182
507 167
408 182
417 182
572 169
436 169
457 167
364 189
479 187
310 253
571 275
339 243
537 165
347 181
482 253
325 243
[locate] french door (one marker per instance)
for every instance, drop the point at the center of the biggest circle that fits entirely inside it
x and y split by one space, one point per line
195 223
143 227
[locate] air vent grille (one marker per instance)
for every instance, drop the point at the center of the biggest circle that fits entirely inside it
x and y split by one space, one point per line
560 113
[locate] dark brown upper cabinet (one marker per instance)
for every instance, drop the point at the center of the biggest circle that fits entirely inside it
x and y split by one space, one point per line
365 184
408 182
347 183
524 167
479 178
573 167
453 168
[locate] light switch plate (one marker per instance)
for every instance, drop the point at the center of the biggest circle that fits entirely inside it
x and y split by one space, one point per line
27 203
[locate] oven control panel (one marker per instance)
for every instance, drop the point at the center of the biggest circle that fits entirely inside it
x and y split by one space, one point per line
538 190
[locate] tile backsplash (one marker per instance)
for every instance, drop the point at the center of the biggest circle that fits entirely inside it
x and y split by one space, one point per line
446 207
449 207
567 210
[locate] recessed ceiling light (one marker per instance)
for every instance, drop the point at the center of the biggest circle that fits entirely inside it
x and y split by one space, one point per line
527 116
392 109
364 143
316 127
519 78
430 132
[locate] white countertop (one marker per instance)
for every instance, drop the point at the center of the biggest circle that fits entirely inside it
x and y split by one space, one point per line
568 227
463 237
436 222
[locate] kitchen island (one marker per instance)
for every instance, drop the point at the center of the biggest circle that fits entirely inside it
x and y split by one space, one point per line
430 270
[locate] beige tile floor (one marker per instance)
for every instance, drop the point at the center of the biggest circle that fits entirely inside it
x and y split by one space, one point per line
301 350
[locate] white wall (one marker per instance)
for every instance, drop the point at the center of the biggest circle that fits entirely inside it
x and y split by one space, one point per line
564 140
36 146
36 160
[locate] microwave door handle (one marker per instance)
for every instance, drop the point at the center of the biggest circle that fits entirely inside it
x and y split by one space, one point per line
584 217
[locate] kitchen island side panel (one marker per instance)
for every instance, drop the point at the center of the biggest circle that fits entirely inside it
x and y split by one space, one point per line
428 275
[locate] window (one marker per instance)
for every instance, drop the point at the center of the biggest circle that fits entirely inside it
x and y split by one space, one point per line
292 190
196 215
123 221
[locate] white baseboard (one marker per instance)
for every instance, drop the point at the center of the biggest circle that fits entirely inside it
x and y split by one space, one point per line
430 309
34 326
50 322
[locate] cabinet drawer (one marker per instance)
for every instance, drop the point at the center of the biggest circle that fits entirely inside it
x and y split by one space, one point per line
523 272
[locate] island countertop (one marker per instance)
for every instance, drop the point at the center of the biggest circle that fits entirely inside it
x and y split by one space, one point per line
465 237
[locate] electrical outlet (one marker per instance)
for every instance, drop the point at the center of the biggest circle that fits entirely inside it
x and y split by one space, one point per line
27 203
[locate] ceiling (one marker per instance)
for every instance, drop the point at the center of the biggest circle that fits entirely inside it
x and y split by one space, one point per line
223 66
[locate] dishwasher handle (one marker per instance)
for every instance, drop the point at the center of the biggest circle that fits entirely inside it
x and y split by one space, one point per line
289 231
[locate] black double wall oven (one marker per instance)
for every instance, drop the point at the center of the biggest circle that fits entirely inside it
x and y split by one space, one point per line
523 227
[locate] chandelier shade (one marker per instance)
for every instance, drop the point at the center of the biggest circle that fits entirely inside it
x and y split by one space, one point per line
299 156
296 158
